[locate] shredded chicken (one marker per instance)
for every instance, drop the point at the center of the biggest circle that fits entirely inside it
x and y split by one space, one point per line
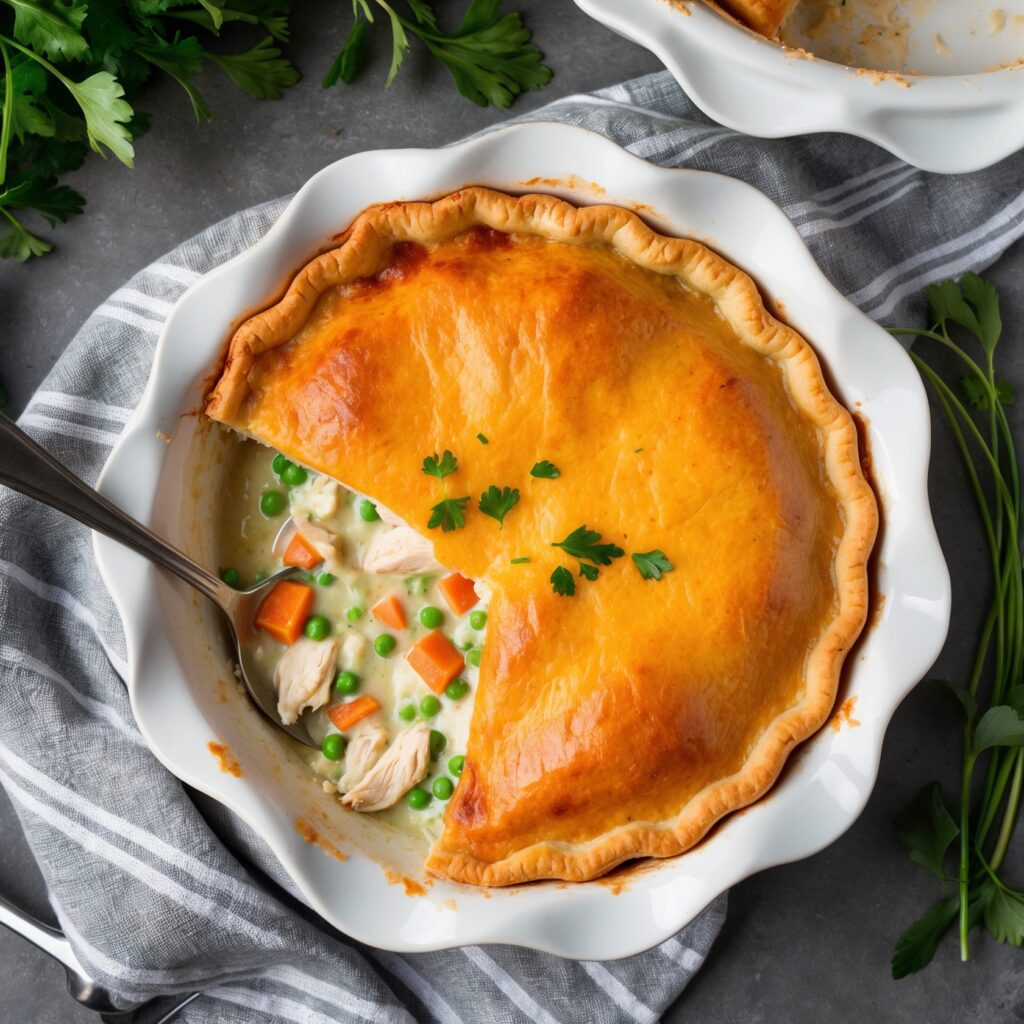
303 677
366 742
400 549
324 495
404 764
353 650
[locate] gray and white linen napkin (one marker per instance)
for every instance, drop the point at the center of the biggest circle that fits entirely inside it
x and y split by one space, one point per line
162 891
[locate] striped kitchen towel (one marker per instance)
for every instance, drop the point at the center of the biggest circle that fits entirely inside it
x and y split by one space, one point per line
160 890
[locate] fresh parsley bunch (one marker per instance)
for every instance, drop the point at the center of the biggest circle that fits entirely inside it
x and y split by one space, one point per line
71 70
991 701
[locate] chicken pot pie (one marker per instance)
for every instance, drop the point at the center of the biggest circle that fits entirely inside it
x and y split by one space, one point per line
642 469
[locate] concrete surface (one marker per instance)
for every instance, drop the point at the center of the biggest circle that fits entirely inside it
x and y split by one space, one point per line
803 942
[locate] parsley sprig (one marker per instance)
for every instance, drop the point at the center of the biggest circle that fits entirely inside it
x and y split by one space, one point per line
545 470
585 544
990 703
71 72
498 502
490 56
448 513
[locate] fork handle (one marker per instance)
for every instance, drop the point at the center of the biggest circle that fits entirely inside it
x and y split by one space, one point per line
27 467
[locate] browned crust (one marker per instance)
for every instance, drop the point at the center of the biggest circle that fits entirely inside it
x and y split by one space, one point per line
764 16
364 251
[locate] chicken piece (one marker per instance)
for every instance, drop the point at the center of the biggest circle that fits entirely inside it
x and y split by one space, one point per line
353 650
401 550
303 677
404 764
367 740
389 517
324 496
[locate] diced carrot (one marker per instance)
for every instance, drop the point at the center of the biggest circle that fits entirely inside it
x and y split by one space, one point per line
390 612
283 612
301 552
344 716
436 659
458 592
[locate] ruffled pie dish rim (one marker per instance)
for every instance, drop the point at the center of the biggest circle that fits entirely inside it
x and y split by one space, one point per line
826 785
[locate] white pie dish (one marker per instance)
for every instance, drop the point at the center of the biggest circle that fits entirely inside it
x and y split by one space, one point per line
956 118
180 678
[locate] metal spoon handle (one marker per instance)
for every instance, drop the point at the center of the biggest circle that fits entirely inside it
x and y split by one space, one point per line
48 939
30 469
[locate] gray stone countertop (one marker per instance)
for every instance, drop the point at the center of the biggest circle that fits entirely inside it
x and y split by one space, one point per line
804 942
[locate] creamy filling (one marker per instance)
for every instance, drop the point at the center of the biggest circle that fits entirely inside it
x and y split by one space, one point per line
345 527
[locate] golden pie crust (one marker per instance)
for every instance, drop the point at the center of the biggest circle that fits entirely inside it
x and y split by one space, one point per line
625 721
764 16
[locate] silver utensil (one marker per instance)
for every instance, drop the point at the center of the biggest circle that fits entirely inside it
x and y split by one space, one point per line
27 467
81 987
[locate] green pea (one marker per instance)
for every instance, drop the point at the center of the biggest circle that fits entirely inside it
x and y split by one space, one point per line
347 682
230 577
474 656
438 741
456 689
325 579
354 614
478 619
443 788
430 706
368 511
280 463
333 746
417 798
272 503
407 713
456 764
294 475
384 644
431 617
318 627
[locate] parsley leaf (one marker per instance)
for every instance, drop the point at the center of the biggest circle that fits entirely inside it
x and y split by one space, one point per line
18 243
482 439
440 465
562 582
584 545
261 71
52 29
545 470
1000 726
498 503
652 564
984 300
976 391
589 572
917 945
1004 915
448 514
181 59
346 63
925 828
519 561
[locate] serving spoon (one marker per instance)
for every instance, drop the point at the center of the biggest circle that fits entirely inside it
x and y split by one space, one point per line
27 467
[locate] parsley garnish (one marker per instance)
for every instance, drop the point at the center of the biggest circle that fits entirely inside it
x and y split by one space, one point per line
482 439
589 572
976 393
519 561
562 582
490 55
975 832
651 564
440 465
448 514
583 544
545 470
498 503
